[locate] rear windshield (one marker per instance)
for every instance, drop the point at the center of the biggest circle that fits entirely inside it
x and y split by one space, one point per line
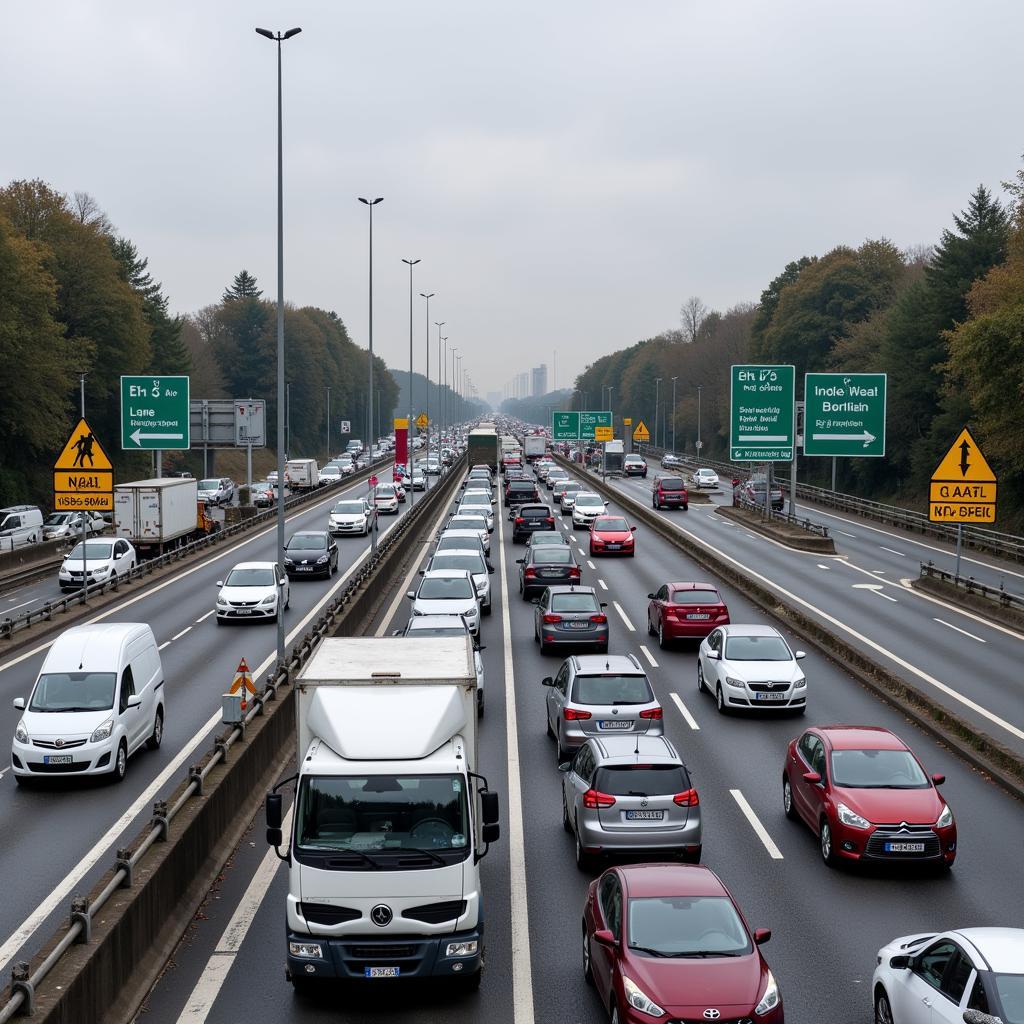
552 555
642 779
522 485
471 563
671 483
695 597
469 522
447 542
612 689
574 603
535 511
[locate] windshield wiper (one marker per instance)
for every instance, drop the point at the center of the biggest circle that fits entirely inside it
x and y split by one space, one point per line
426 853
366 858
701 953
653 952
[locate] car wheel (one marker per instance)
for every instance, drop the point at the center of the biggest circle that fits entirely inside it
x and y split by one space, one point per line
120 769
825 840
662 642
566 821
787 799
615 1014
720 699
288 600
561 754
304 988
700 676
883 1011
686 507
479 703
547 723
157 736
588 974
583 860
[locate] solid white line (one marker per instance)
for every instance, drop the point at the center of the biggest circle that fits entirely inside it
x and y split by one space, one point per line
624 617
178 636
206 616
23 604
845 534
690 720
649 656
762 833
522 978
893 551
215 973
591 564
604 586
166 643
964 631
886 597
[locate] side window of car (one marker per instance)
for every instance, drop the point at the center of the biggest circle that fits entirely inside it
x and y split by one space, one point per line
605 895
560 679
818 757
127 689
979 999
662 594
715 641
932 963
615 908
958 973
806 747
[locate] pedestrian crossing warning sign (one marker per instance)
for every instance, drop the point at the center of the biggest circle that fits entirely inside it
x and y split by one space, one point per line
641 433
963 486
83 477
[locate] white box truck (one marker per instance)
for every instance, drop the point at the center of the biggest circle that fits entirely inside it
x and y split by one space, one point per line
302 474
155 514
535 446
391 816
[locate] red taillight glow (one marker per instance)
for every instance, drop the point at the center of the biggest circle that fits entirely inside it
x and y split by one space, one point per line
550 620
593 799
530 572
599 618
652 713
687 799
572 715
519 519
549 519
574 571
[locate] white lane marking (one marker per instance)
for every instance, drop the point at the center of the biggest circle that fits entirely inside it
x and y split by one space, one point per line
166 643
893 551
684 711
877 572
215 973
202 618
178 636
762 833
825 567
845 534
604 586
522 979
875 588
591 564
23 604
25 930
887 597
573 540
5 771
649 656
964 631
624 617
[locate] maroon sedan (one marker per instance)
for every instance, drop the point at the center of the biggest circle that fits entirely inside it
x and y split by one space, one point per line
684 611
611 535
667 942
864 793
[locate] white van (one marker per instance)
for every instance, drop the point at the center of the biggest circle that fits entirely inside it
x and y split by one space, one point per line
20 524
99 697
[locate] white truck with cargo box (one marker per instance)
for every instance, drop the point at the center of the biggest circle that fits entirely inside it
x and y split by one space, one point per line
302 474
613 456
154 514
391 816
535 446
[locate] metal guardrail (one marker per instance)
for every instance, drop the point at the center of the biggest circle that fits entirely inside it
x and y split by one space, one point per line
45 612
25 981
969 585
775 516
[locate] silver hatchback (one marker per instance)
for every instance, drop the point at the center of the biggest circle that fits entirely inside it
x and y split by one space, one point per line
630 795
599 695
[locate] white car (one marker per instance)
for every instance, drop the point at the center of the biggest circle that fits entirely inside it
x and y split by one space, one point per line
351 516
968 974
215 490
471 520
448 625
330 474
104 560
705 478
447 592
475 563
385 498
751 667
477 503
253 590
419 480
69 524
586 507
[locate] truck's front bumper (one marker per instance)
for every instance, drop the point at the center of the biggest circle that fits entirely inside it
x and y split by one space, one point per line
414 956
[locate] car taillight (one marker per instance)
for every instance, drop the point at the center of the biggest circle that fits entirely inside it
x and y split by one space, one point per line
593 799
519 519
549 519
530 572
687 799
550 620
652 713
574 572
599 618
572 715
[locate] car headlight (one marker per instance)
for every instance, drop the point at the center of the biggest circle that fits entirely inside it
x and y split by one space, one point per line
102 732
639 999
461 948
307 950
945 818
269 599
323 559
101 570
851 818
770 999
221 603
730 681
800 682
21 733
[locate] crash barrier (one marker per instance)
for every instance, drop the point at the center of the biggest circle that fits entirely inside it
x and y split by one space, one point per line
19 563
12 624
970 742
100 966
783 518
969 585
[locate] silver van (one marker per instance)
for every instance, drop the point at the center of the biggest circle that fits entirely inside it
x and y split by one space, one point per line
20 524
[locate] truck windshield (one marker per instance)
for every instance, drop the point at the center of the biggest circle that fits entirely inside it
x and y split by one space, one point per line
372 816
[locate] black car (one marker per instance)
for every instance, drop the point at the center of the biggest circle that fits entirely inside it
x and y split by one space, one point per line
546 566
311 553
530 518
519 492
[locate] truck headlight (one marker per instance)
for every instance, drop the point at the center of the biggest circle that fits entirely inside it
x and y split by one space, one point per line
308 950
21 733
770 999
461 948
102 732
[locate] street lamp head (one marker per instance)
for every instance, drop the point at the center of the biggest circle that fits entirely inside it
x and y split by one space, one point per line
412 263
427 295
291 32
371 202
265 32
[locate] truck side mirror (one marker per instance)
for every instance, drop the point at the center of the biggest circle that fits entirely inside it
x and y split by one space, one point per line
490 833
273 813
489 809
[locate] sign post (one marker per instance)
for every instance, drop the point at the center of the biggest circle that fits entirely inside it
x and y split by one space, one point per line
154 414
844 414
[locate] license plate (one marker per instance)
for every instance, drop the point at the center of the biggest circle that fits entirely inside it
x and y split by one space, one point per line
615 723
305 568
904 847
644 815
614 547
548 573
772 696
577 625
57 759
699 616
381 972
243 611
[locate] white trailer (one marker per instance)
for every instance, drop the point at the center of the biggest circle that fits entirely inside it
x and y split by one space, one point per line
302 474
154 514
391 815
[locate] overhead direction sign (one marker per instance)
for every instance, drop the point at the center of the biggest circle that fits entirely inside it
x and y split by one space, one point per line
641 433
963 486
83 477
154 413
844 414
578 426
762 422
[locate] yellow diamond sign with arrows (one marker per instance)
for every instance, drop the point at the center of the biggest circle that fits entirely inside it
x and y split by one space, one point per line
963 486
641 433
421 421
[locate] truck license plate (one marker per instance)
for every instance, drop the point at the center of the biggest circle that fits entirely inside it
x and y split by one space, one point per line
382 972
57 759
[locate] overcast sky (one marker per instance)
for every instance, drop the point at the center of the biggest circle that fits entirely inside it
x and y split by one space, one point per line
568 171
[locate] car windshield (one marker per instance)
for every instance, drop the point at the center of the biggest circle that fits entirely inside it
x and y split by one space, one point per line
1010 988
471 563
349 508
642 779
552 555
574 603
877 769
250 578
57 519
670 483
74 691
612 689
93 549
307 542
756 648
385 491
695 597
446 588
209 485
588 500
687 926
612 525
380 814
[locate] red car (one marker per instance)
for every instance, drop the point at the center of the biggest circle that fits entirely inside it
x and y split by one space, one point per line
667 942
611 535
684 611
864 793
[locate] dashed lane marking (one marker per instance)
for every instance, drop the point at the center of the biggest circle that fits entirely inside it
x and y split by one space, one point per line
684 711
950 625
755 823
649 656
624 617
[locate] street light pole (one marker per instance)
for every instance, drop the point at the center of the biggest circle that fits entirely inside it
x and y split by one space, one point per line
700 443
674 379
657 386
279 38
371 203
611 387
442 375
426 347
408 429
328 459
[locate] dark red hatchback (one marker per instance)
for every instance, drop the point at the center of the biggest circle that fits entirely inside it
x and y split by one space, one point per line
679 611
667 942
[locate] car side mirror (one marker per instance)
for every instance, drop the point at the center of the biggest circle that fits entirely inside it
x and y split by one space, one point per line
519 561
18 703
134 701
423 572
603 937
632 529
535 600
814 778
547 681
565 766
651 596
282 581
410 594
762 935
714 656
396 632
490 569
977 1017
938 778
219 583
491 833
899 963
604 604
800 655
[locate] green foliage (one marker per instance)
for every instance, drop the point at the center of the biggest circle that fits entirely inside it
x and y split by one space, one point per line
242 287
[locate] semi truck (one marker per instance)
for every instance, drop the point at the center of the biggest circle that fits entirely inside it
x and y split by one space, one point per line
391 815
483 447
162 513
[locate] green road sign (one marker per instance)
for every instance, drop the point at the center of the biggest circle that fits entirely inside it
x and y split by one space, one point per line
762 424
591 420
154 413
578 426
844 414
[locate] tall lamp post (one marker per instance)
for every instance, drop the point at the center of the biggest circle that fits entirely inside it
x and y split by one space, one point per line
657 386
371 203
442 398
408 428
451 417
279 38
700 443
328 423
611 388
674 379
426 346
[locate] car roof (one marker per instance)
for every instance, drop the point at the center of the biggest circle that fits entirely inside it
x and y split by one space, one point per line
445 574
460 534
255 565
601 664
635 750
747 629
460 551
1003 948
307 533
433 621
563 588
671 880
861 737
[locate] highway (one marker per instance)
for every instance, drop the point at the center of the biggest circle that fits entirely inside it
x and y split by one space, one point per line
827 924
61 836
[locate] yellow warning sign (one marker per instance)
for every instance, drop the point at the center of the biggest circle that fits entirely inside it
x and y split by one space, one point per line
641 433
963 486
243 681
603 433
402 424
422 421
83 477
627 421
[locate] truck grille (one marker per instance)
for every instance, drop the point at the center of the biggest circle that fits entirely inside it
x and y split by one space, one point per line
385 951
326 913
436 913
